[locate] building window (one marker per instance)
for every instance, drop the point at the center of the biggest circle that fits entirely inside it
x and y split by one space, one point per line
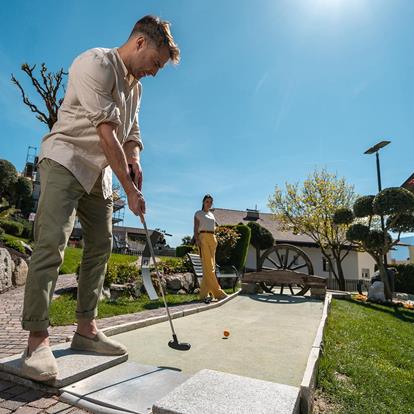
365 273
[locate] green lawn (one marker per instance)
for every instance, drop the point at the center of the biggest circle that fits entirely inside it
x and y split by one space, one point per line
62 309
73 257
368 361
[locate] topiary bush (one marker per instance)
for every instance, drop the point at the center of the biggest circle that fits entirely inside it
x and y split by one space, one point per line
357 232
12 227
401 222
375 240
260 239
363 206
343 216
394 200
239 255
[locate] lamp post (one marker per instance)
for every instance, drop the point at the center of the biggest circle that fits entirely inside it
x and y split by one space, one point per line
375 150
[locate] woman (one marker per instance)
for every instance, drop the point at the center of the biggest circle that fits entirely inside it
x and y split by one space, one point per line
204 229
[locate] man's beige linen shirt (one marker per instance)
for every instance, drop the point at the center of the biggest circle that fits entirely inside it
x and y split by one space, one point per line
99 90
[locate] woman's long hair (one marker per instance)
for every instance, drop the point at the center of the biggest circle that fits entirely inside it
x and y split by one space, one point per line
206 197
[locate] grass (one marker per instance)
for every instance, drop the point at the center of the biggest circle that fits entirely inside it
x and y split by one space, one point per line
62 309
368 360
73 257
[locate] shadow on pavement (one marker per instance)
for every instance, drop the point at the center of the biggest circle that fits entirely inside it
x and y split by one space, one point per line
288 299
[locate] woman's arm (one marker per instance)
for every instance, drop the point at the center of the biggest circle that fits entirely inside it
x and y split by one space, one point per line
196 224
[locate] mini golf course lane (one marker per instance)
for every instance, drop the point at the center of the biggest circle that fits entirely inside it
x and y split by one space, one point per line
270 339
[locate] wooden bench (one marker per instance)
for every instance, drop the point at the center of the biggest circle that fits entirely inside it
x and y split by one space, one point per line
221 273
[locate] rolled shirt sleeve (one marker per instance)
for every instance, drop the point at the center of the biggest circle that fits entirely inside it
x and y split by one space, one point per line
93 79
135 134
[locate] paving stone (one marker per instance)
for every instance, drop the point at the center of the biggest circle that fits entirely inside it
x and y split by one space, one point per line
221 393
58 408
43 403
28 410
12 403
72 365
131 387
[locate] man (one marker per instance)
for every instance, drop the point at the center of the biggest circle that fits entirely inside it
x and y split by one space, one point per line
97 130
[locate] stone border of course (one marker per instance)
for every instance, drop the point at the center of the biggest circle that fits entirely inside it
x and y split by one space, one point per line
307 387
130 326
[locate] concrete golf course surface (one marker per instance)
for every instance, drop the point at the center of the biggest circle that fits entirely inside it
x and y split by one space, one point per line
270 339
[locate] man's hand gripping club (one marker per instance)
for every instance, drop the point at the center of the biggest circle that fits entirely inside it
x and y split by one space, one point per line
129 177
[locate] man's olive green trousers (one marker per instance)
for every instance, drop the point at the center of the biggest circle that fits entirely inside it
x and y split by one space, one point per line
61 199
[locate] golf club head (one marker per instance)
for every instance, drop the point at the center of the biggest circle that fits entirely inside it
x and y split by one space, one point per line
179 346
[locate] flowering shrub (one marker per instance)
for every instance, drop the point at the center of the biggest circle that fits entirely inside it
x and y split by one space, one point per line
227 238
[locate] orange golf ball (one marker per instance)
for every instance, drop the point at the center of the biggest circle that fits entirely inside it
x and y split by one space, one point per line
226 333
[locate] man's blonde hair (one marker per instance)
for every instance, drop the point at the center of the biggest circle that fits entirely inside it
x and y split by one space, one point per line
159 32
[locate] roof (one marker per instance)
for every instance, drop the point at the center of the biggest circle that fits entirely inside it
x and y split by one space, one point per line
267 220
409 183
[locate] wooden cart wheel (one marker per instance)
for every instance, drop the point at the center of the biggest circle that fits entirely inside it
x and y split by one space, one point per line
285 257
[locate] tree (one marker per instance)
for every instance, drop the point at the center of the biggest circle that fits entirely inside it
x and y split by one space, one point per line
187 241
48 87
22 191
8 177
396 206
309 210
260 239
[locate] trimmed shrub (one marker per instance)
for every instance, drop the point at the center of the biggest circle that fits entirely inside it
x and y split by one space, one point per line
375 239
394 200
401 223
260 238
181 251
357 232
239 254
343 216
404 280
363 206
1 232
12 227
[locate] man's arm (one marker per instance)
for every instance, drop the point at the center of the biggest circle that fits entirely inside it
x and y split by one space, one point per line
118 162
132 152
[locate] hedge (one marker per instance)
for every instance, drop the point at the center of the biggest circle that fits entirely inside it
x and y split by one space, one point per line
12 227
404 280
181 251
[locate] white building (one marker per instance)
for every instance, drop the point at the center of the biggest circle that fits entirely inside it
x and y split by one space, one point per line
356 265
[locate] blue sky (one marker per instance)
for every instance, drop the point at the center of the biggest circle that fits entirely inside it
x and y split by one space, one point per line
266 91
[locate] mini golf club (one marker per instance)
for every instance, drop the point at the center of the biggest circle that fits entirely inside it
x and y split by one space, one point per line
174 343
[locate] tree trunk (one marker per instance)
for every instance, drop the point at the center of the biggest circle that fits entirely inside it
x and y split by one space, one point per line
384 277
340 274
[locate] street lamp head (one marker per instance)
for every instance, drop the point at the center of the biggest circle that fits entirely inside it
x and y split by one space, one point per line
377 147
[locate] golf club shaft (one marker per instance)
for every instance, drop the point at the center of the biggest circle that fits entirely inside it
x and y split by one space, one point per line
151 247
